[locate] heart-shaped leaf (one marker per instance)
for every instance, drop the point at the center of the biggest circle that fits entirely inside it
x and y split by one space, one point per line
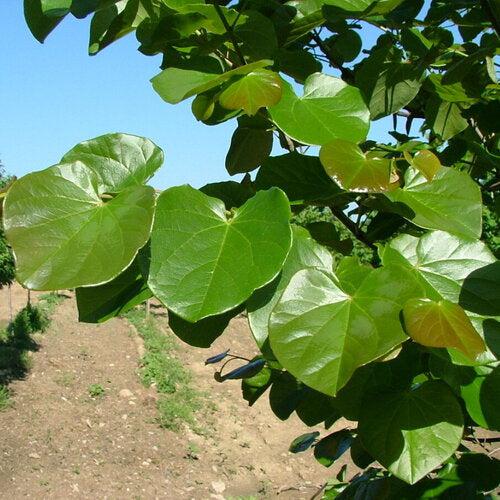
64 236
203 264
119 160
176 84
347 165
97 304
447 263
259 89
450 202
305 253
329 109
412 432
321 334
442 324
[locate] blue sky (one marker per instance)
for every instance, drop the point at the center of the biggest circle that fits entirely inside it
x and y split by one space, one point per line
54 95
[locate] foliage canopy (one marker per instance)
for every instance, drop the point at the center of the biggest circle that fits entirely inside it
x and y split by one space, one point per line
406 344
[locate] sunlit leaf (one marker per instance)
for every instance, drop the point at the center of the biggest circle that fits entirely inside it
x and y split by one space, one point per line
215 261
442 324
353 170
329 109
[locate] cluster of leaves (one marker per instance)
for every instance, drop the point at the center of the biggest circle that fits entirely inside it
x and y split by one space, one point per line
406 346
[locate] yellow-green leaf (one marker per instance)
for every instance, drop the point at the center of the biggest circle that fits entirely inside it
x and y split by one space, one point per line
426 162
258 89
442 324
347 165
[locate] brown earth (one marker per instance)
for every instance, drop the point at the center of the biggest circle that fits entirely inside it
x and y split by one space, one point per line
58 442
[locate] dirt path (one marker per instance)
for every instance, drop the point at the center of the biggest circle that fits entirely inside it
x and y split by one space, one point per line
58 442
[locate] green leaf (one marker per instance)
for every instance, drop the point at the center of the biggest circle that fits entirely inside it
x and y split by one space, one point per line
442 324
450 202
347 165
64 236
257 36
426 162
369 6
489 397
320 333
39 22
329 109
298 64
176 84
444 118
56 8
113 22
444 261
345 46
332 447
387 83
118 160
252 388
203 333
259 89
301 177
304 253
233 194
481 400
251 144
412 432
216 263
97 304
454 92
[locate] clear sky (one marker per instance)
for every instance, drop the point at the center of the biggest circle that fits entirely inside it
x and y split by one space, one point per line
54 95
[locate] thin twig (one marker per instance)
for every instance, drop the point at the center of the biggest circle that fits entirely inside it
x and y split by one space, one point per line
230 32
349 224
347 74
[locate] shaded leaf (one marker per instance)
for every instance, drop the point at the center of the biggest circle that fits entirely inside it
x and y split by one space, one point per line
301 177
412 432
99 303
332 447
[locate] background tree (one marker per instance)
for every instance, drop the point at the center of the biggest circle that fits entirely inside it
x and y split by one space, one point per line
405 341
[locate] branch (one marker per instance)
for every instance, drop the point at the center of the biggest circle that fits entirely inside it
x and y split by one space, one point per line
347 74
230 32
349 224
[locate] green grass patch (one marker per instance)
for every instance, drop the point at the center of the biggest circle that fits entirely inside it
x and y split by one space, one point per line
179 401
49 301
96 390
4 397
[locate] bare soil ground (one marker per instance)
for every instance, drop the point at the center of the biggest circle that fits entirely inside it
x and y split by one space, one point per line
58 442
